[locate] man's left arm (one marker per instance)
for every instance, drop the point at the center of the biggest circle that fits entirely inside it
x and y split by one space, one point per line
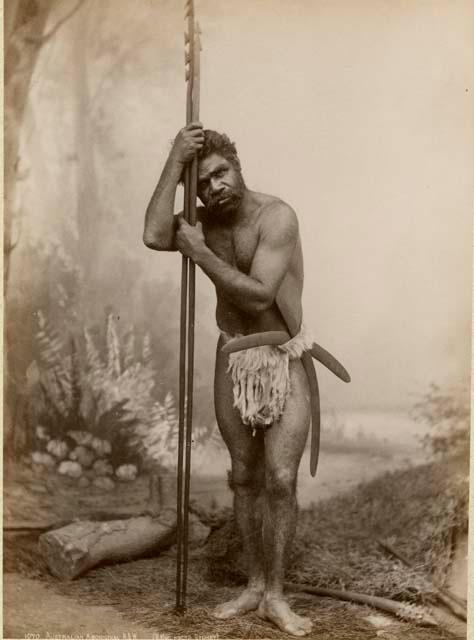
256 291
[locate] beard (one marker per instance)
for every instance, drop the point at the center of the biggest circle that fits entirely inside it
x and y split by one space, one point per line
228 202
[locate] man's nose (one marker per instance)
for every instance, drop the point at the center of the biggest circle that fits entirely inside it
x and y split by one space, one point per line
216 186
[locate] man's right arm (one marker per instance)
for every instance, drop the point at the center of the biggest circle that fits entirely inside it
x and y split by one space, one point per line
160 227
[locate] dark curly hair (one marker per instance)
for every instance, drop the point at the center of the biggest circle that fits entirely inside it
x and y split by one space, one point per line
221 144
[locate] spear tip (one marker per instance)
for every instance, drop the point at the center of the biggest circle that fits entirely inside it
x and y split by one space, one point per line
189 8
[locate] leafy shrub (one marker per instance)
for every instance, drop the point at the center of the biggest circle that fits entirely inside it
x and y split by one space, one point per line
77 389
447 413
106 391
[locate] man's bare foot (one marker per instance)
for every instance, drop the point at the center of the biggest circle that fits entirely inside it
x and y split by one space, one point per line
248 600
278 611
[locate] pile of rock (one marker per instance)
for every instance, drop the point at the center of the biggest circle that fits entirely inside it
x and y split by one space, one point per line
84 457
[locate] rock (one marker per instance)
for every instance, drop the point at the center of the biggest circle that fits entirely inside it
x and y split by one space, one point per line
45 459
71 469
103 482
103 468
83 482
101 447
41 432
126 472
58 448
83 455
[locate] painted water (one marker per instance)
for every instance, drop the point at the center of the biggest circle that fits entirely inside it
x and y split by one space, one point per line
356 446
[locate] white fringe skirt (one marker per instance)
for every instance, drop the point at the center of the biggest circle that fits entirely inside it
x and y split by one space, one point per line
261 378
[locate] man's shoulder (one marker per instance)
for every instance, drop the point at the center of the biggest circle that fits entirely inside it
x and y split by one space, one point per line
276 213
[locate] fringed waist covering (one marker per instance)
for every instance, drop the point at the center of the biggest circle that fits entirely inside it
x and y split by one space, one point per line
261 378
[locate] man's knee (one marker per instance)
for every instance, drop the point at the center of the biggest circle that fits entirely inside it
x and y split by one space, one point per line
280 483
246 477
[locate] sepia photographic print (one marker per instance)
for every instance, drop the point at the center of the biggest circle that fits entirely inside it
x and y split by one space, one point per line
237 329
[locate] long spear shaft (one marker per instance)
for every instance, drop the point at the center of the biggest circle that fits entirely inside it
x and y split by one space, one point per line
188 294
182 407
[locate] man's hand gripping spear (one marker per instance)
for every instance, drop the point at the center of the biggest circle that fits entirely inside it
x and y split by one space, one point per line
188 293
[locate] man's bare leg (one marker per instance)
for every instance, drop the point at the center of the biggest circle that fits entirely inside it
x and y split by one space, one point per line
247 455
284 446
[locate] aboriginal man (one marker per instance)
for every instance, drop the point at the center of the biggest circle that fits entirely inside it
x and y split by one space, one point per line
248 244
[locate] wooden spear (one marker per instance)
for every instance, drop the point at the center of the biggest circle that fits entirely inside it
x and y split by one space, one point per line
188 296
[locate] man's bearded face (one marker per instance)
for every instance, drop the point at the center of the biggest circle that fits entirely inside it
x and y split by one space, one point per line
220 185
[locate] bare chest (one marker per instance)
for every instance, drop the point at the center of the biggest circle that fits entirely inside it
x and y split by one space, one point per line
236 246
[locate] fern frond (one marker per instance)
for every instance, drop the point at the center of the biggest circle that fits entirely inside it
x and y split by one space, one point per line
50 415
137 383
93 360
129 349
147 355
56 367
50 344
113 348
158 439
76 390
171 411
63 383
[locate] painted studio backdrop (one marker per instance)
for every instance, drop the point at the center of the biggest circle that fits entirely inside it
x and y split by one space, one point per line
355 113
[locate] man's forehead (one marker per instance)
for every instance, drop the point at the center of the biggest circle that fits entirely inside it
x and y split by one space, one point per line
210 163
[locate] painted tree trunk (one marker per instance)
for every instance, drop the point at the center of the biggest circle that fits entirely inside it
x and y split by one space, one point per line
25 22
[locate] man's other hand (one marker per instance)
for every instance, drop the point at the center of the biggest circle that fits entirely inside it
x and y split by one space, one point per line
189 239
188 142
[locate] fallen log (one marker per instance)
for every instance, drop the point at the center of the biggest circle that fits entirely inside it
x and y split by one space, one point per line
72 550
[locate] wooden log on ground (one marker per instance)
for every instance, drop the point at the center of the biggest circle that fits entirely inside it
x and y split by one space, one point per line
76 548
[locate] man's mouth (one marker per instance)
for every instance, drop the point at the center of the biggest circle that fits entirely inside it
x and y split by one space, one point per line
224 202
219 202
